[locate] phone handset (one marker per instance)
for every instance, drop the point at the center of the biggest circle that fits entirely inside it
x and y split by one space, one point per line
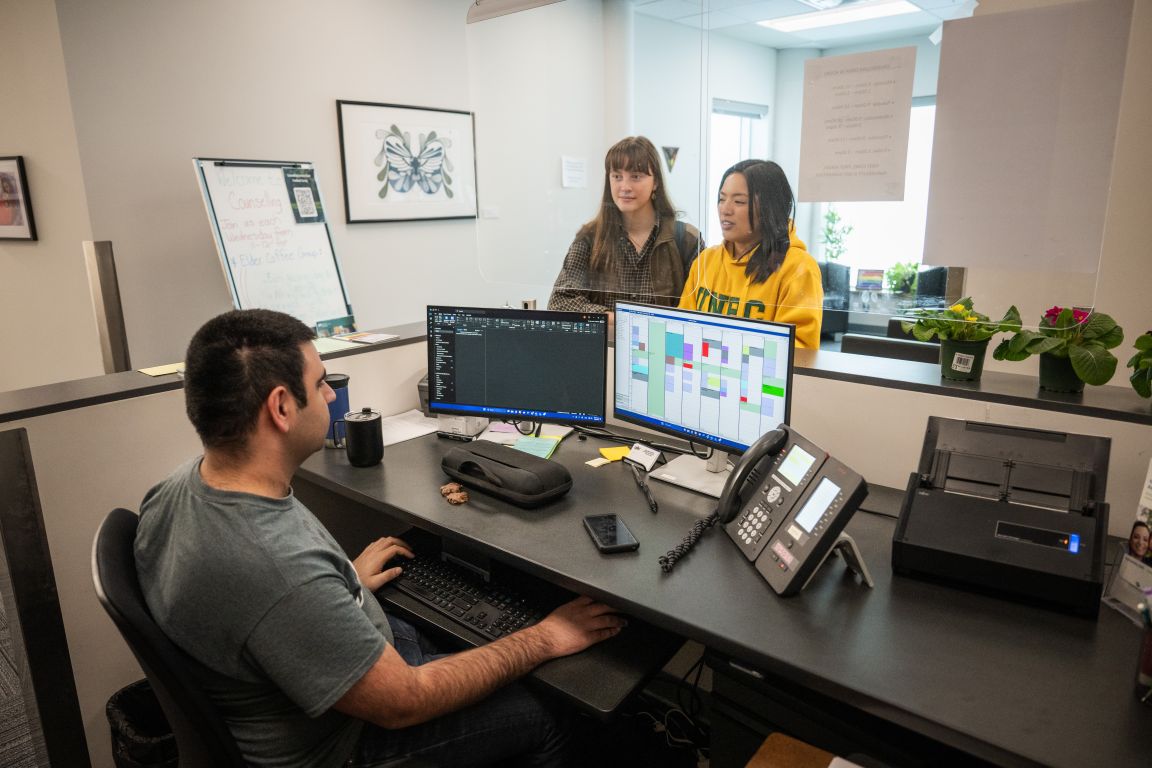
781 478
768 445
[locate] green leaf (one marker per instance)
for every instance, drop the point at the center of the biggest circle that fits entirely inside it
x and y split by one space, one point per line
1142 382
1010 323
923 333
1144 342
1004 351
1092 363
1041 344
1112 338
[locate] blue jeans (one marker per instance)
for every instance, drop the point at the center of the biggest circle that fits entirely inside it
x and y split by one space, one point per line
513 726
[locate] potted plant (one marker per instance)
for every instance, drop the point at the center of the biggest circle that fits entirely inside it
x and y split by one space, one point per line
901 276
835 233
963 334
1141 365
1073 346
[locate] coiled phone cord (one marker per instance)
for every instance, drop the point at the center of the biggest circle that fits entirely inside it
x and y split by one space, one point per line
668 560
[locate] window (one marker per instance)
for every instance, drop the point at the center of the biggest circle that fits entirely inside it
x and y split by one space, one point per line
737 131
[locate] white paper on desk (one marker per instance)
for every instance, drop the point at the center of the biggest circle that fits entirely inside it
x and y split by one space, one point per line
407 425
332 344
506 434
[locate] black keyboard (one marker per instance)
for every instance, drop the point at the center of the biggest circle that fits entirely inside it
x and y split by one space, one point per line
463 596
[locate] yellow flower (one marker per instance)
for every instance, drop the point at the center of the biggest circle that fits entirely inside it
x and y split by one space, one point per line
970 319
959 309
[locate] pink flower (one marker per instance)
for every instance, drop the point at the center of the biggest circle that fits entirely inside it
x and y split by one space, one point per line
1078 315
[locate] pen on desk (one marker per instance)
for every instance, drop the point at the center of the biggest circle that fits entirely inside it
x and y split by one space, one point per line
644 487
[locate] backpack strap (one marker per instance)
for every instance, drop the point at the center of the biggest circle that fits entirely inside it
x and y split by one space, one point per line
687 255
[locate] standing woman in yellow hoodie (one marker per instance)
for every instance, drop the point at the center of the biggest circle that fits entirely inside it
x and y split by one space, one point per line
762 270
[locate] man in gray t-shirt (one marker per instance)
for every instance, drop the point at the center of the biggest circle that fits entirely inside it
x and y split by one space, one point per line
290 644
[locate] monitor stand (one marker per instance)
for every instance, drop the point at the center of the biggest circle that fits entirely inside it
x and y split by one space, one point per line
696 474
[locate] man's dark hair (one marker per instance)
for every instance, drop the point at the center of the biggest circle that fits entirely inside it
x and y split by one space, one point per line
233 362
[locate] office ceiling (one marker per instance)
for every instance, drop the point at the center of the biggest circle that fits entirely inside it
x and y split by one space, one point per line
737 19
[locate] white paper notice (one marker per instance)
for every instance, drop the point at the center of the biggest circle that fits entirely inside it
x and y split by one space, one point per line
573 172
854 143
1146 495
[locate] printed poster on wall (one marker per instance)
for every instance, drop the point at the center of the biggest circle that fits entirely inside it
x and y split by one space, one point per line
855 126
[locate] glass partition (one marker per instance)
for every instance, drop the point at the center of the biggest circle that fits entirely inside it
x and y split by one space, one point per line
555 87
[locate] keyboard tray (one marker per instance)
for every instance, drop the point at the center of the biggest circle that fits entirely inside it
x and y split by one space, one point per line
599 679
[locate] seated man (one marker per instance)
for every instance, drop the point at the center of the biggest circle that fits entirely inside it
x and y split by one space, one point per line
291 644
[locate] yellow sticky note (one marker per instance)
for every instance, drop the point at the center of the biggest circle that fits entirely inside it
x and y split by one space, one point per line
615 454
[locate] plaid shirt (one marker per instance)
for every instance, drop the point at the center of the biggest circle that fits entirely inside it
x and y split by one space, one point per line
655 275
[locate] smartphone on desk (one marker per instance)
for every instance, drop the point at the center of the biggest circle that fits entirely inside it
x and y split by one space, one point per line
610 534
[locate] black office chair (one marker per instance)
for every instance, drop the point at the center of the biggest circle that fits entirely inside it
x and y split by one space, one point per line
202 738
931 287
898 349
834 280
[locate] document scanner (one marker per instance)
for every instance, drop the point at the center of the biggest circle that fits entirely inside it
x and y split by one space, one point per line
1016 511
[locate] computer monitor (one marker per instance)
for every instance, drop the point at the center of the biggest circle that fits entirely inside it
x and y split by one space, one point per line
710 379
517 364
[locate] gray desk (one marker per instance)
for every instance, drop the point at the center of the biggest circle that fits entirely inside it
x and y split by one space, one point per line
982 677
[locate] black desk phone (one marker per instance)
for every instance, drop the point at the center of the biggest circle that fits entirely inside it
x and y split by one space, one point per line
785 506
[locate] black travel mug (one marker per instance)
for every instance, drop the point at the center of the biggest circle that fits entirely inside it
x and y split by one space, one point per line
364 438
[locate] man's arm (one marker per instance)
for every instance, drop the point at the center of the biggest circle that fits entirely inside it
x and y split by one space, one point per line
394 695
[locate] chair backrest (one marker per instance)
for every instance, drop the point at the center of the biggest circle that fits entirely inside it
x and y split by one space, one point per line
882 346
202 737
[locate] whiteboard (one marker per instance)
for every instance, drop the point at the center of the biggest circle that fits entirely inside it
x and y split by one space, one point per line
274 246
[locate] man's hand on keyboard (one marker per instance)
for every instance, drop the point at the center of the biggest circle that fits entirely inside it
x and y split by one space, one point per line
370 562
578 624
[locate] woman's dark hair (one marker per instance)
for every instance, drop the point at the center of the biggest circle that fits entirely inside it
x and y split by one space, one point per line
1138 524
233 362
770 210
634 153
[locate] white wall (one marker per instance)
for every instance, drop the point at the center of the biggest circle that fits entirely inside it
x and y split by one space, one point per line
47 327
156 84
671 106
537 81
1122 280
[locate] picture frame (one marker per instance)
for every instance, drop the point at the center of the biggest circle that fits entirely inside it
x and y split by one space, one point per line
16 221
405 163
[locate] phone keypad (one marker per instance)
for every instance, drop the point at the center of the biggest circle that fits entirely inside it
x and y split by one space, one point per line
753 524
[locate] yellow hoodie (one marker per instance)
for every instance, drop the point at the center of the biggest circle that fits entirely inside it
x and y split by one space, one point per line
792 294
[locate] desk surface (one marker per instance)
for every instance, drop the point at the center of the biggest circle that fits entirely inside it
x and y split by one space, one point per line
1008 683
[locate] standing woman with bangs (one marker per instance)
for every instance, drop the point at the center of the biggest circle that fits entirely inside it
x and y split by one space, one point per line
762 270
634 250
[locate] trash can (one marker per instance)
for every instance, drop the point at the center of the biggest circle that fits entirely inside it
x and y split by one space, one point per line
141 736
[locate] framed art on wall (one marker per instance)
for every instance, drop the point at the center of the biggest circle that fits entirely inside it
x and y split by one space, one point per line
406 163
16 222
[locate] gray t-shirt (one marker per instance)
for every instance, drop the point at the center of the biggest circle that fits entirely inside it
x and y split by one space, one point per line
258 592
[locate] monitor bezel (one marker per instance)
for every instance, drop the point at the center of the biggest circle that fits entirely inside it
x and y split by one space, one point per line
509 414
708 318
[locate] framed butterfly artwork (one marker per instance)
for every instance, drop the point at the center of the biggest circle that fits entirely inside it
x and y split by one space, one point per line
406 163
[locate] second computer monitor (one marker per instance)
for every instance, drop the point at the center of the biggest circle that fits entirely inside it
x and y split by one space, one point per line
711 379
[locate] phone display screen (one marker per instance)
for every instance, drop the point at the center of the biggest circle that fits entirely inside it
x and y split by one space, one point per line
796 464
817 504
